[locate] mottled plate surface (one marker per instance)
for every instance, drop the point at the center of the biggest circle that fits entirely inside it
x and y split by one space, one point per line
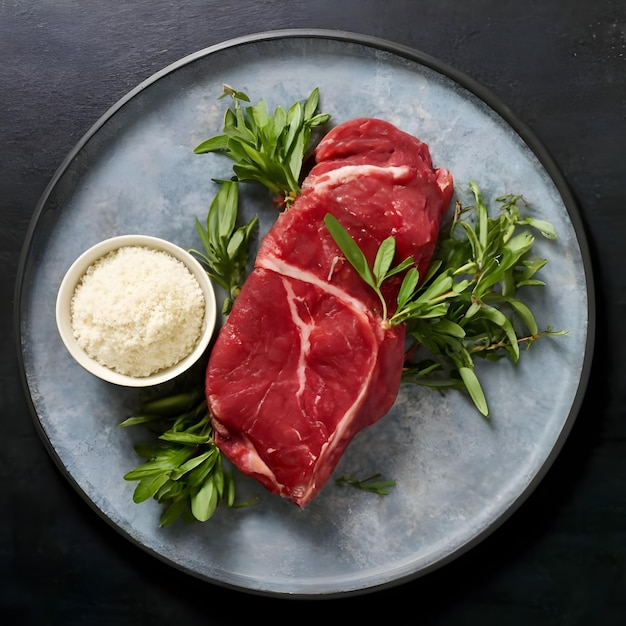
458 475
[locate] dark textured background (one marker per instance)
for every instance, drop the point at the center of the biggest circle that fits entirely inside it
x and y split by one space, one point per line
560 66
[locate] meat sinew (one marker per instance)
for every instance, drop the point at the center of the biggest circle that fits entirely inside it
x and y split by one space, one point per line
303 361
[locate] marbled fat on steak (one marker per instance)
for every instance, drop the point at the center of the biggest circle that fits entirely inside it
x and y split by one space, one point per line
303 362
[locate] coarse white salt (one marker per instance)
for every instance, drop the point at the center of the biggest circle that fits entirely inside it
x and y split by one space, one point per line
137 311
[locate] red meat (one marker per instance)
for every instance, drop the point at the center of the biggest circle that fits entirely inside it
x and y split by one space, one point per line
303 362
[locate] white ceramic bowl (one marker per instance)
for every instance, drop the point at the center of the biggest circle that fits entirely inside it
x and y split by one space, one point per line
76 272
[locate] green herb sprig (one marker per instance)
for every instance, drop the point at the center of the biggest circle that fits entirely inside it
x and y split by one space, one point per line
468 306
425 303
381 270
371 484
226 246
269 149
183 469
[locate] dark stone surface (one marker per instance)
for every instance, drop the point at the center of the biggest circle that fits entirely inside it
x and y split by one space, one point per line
561 67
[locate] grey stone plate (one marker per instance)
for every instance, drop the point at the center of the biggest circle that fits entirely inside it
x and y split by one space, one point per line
458 475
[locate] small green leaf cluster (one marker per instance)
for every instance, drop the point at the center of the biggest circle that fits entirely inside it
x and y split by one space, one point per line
267 148
226 246
183 469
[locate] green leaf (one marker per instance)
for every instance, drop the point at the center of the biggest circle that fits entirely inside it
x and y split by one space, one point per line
279 123
474 389
172 405
185 438
529 267
191 464
449 328
311 104
260 116
472 237
515 249
439 287
204 501
319 120
407 288
174 511
501 320
295 160
525 315
168 459
229 490
222 213
204 236
170 490
215 144
350 249
229 91
199 474
150 450
543 226
384 258
401 267
148 486
295 117
138 419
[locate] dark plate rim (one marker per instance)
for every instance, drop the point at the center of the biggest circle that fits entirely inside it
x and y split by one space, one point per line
480 91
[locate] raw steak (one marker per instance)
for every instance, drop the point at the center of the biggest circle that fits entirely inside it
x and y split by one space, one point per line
303 362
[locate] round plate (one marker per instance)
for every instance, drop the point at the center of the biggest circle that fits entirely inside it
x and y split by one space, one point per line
458 475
